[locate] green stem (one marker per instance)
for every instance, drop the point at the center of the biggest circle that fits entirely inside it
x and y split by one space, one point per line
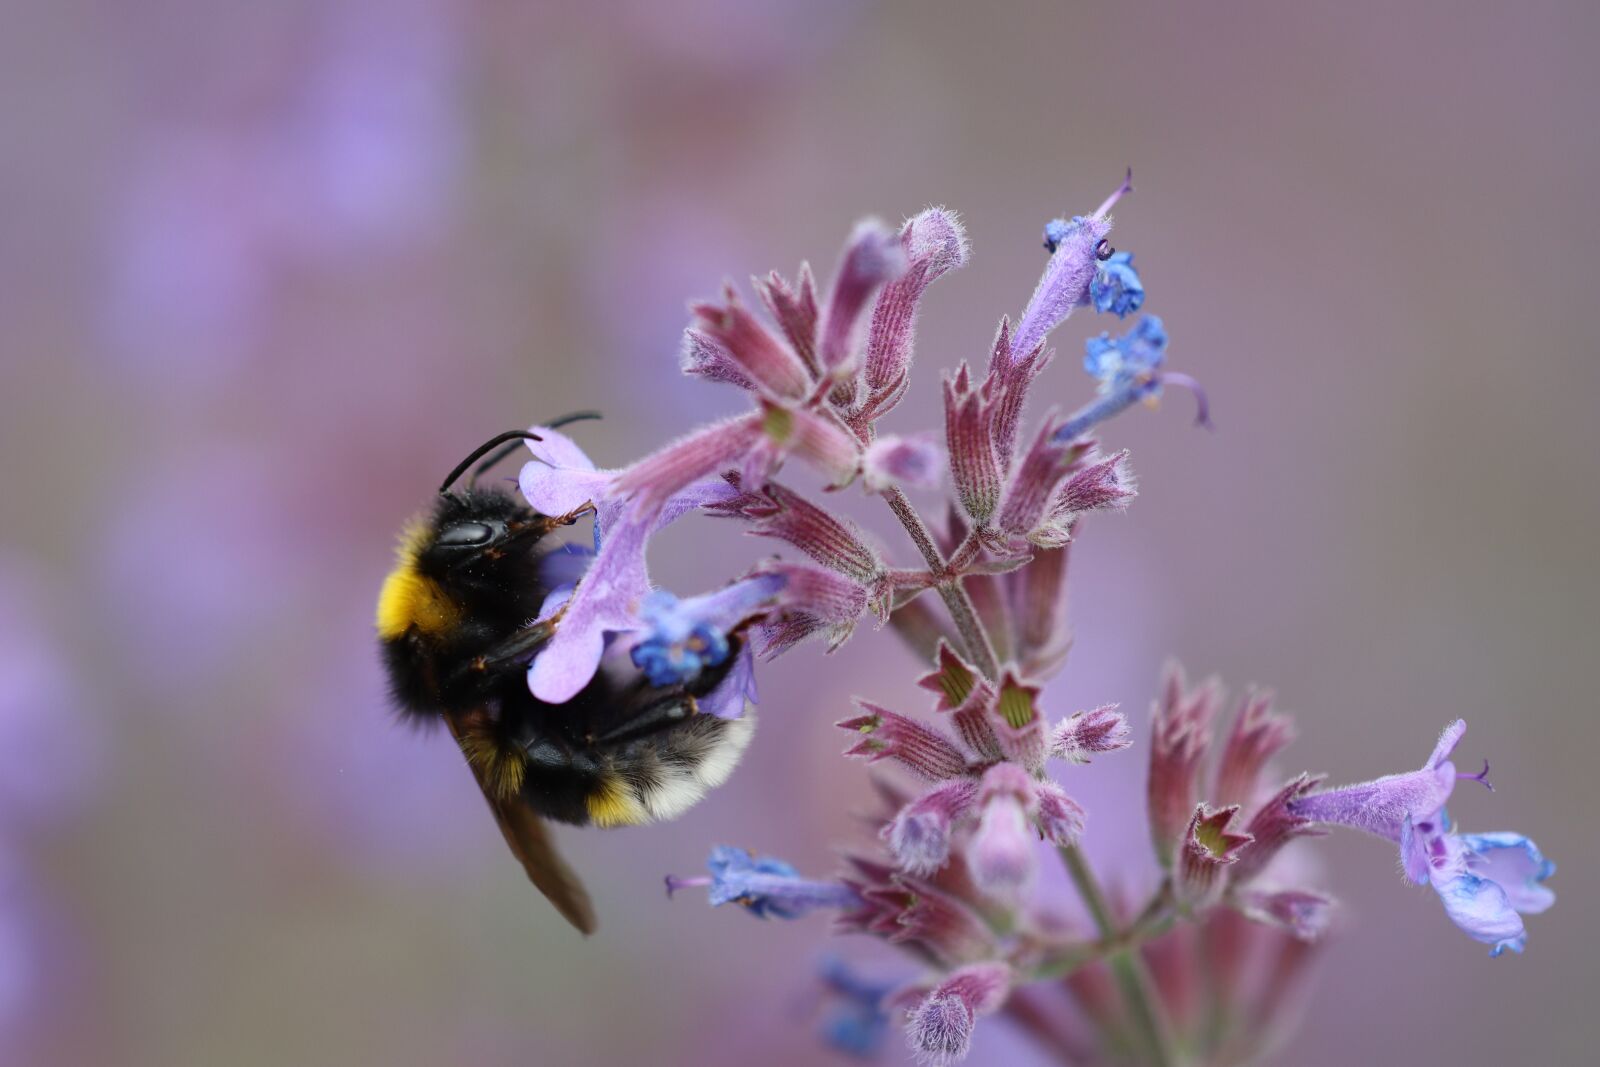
962 612
1127 965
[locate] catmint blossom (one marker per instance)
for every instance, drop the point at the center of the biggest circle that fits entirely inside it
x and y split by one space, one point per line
766 887
976 786
1486 882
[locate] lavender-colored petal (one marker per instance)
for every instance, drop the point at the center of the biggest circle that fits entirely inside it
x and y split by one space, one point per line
919 834
1481 908
1303 913
1064 286
1515 864
736 691
707 451
1059 817
768 887
1001 853
908 461
561 479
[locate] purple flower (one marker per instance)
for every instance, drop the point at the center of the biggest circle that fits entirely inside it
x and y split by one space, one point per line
909 461
685 637
1130 361
561 480
1001 853
1486 882
1303 913
919 834
940 1028
1087 733
766 887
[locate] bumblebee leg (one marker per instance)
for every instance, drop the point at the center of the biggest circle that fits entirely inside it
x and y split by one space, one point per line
514 650
657 716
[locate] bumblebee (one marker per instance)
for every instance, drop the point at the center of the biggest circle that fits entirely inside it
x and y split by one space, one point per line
458 624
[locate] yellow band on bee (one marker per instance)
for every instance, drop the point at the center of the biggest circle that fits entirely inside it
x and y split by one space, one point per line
614 804
410 600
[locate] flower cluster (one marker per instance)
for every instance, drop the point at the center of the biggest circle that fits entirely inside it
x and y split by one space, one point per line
953 879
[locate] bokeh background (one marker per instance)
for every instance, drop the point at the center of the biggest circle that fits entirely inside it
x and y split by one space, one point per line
267 270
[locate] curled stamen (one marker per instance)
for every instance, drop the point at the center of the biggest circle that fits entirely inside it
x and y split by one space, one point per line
1202 413
1481 776
674 883
1123 189
1103 251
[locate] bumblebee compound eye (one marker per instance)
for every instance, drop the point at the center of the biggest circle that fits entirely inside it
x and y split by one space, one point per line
1103 251
465 535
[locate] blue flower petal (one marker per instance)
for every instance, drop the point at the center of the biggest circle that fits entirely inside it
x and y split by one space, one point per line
1515 864
1480 908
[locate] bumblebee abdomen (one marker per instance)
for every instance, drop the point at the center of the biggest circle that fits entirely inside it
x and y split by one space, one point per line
647 779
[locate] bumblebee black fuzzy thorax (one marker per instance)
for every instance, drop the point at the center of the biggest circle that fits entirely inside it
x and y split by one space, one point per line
457 622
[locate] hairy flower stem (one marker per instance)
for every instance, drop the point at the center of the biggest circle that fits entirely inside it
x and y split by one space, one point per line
955 596
1133 978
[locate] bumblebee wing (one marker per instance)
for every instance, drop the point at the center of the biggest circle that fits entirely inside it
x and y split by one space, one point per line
535 848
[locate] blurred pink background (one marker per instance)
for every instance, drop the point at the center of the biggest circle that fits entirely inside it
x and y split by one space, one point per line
268 270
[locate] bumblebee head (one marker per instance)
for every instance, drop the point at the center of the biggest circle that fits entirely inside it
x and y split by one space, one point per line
472 557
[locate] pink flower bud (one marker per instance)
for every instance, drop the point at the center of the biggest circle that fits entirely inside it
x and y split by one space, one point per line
1001 853
747 343
940 1028
1087 733
888 735
1180 734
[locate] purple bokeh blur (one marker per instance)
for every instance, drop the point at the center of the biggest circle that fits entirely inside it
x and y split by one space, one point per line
268 270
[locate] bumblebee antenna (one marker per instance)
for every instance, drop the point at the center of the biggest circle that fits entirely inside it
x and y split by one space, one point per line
509 440
492 443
